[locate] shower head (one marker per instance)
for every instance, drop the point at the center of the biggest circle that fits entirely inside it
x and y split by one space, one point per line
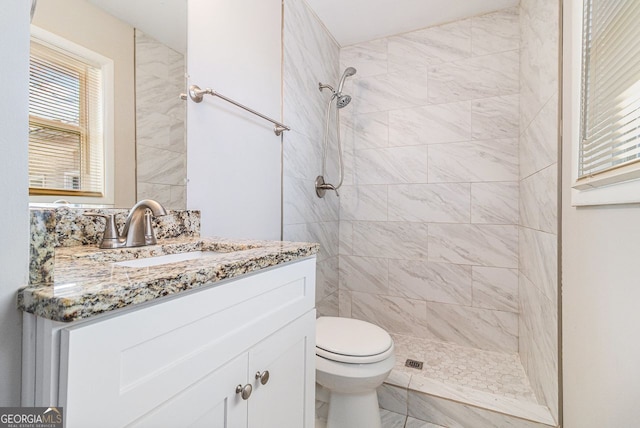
348 72
343 100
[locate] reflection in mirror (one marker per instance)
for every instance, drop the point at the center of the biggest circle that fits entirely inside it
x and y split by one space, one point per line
148 51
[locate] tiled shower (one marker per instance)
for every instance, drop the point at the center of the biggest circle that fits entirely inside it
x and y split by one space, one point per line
445 231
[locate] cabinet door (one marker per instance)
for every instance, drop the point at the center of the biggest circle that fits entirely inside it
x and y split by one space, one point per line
287 399
210 403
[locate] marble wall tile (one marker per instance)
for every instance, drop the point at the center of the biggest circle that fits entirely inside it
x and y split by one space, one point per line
539 321
366 203
310 55
494 203
448 203
539 200
417 423
453 414
479 328
539 81
170 196
302 156
301 205
392 419
447 157
365 131
495 117
345 237
486 245
430 46
394 314
304 107
442 123
364 274
538 260
495 32
538 55
488 160
326 278
328 307
388 91
344 303
369 58
397 240
349 168
393 398
434 282
324 233
495 288
476 77
160 122
539 141
173 170
157 192
391 166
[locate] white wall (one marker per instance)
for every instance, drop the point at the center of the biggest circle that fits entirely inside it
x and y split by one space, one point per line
233 160
600 287
14 51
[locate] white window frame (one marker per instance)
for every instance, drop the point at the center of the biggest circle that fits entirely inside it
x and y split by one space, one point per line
604 189
107 67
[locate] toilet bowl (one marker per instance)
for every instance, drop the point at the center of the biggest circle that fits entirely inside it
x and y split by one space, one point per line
353 358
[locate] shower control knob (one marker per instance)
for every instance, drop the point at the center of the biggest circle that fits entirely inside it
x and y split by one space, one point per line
263 377
244 391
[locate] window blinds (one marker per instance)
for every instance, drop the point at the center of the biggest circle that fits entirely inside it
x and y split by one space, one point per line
65 124
610 87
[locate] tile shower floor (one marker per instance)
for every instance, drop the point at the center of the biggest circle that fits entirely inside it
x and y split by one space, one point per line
491 372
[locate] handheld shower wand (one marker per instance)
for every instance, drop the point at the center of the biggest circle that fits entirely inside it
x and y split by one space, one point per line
342 100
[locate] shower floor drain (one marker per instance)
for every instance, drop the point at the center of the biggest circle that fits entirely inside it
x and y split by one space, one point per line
414 364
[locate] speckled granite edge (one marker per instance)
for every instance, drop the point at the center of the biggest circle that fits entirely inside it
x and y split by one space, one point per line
88 284
42 246
52 228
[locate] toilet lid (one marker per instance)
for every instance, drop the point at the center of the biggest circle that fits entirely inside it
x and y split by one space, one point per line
359 341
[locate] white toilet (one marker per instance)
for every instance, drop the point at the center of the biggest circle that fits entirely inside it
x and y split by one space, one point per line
353 358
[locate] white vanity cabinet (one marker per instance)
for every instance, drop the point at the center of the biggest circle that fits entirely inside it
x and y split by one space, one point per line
185 362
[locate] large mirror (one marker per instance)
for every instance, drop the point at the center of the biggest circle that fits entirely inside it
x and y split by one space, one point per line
146 39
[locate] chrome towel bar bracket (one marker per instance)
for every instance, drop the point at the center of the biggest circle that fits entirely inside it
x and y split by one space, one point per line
197 94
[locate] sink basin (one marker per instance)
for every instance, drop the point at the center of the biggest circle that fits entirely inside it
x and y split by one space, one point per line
169 258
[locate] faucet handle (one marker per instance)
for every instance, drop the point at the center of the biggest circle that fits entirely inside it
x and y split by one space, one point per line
149 234
110 238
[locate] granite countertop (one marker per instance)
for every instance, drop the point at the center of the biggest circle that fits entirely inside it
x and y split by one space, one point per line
87 283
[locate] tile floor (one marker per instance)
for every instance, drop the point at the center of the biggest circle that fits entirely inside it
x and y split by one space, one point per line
392 420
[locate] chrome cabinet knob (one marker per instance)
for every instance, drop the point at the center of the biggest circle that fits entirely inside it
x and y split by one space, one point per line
263 377
244 391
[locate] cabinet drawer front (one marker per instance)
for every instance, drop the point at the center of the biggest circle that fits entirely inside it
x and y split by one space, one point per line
140 359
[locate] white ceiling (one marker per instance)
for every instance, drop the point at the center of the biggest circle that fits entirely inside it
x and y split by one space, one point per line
349 21
164 20
355 21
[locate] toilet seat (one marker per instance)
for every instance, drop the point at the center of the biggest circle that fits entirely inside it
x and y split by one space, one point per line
349 340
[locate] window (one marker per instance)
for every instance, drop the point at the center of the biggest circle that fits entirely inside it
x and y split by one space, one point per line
67 145
609 148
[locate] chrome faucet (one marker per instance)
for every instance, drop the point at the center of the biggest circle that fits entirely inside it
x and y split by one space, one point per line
138 227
